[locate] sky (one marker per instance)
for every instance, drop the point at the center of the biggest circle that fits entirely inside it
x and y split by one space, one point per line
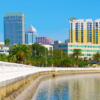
50 17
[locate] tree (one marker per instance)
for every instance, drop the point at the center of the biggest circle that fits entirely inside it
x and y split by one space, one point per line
96 57
82 63
72 18
86 60
38 49
77 53
7 42
20 52
57 56
3 57
49 60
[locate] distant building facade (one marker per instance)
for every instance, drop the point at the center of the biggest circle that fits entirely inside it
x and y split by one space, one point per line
4 49
49 47
84 31
14 27
60 46
30 35
44 40
88 49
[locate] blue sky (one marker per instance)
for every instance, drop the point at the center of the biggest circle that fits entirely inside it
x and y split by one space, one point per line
50 17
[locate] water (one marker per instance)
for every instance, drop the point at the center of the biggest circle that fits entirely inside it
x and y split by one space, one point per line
70 87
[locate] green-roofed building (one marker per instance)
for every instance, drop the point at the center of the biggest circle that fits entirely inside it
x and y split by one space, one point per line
14 27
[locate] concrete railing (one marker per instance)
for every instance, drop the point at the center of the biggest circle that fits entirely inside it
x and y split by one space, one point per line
13 67
13 70
10 71
13 76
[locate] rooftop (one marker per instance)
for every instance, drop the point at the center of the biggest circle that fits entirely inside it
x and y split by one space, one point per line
31 29
14 14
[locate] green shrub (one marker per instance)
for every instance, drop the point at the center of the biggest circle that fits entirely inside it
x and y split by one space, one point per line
82 63
90 65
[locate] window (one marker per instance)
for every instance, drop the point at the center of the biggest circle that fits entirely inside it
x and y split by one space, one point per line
60 46
75 45
96 50
83 54
96 46
82 46
89 54
64 45
1 50
70 50
89 50
64 50
69 45
83 50
89 46
6 51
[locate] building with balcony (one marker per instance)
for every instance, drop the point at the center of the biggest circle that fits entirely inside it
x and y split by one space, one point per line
84 31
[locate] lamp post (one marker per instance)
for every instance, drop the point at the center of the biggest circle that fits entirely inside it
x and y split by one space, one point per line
35 51
61 54
45 58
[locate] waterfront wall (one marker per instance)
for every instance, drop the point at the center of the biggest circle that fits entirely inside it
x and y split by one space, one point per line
20 82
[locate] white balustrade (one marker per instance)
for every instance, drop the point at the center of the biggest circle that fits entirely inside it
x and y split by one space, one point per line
6 67
13 70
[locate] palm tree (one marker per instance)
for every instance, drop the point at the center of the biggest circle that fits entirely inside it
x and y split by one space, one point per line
3 57
86 60
77 53
96 57
7 42
20 52
38 49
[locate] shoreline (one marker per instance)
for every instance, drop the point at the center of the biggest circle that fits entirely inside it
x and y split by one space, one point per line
24 87
28 93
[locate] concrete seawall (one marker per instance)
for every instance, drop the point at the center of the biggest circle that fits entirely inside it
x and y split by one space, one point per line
21 84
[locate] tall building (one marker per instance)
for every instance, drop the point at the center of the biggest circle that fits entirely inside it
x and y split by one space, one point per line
44 40
84 31
30 35
14 27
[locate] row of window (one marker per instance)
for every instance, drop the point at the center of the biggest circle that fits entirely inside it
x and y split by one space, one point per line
3 51
62 46
64 50
84 54
87 54
86 50
83 46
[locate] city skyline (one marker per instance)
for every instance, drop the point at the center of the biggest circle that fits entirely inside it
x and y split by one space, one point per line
50 18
